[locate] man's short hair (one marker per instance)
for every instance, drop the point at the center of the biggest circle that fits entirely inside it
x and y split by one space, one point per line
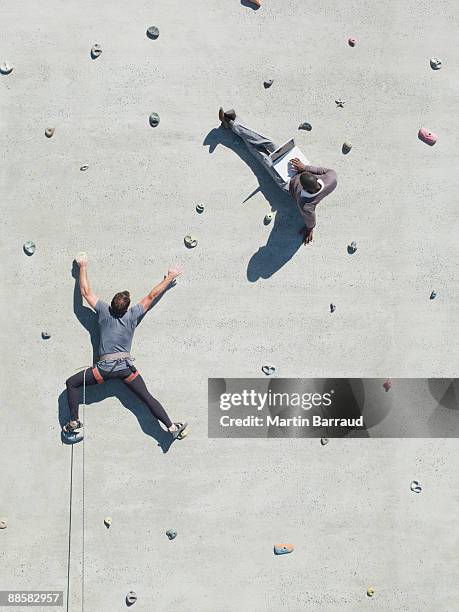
309 182
120 303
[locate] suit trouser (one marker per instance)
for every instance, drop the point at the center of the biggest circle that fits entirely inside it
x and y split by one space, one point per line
260 147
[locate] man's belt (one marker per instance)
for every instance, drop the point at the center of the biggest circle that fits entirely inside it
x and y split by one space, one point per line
115 356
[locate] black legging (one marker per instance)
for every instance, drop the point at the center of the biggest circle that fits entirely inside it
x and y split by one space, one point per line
137 385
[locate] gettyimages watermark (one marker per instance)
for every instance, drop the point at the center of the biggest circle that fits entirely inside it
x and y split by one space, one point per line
339 407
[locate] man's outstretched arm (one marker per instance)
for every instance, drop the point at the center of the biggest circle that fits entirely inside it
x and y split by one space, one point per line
161 287
85 289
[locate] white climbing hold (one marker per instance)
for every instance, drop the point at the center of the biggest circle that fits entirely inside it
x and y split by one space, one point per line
268 218
29 247
96 50
49 132
324 441
268 370
171 534
190 242
199 208
415 486
131 598
45 335
435 63
3 524
6 68
108 521
370 591
81 257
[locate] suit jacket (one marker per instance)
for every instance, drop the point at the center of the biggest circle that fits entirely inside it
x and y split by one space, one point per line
307 206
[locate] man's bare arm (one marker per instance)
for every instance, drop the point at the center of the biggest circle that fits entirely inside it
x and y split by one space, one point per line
85 289
161 287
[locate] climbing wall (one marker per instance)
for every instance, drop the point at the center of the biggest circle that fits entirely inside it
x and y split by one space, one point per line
112 181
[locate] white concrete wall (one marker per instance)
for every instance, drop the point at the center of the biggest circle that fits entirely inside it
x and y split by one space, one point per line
347 507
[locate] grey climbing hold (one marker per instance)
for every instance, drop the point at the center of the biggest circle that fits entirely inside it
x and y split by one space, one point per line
268 218
267 84
347 146
84 168
332 307
283 549
352 248
6 68
324 441
108 521
131 598
154 119
415 486
171 534
153 32
199 208
29 247
268 370
49 132
435 63
96 50
433 295
3 524
190 242
305 126
45 335
340 103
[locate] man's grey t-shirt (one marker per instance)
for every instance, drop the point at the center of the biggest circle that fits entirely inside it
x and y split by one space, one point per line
116 333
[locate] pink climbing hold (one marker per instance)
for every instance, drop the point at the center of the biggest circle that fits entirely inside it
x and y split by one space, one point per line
427 136
387 384
352 41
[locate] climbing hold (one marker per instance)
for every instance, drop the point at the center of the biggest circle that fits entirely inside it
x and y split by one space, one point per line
387 384
433 295
324 441
427 136
340 103
267 84
352 248
332 307
96 50
45 335
6 68
2 524
49 132
153 32
29 247
347 146
171 534
190 242
435 63
415 486
200 208
154 119
268 218
268 370
81 257
370 591
283 549
131 598
108 521
84 168
305 126
352 41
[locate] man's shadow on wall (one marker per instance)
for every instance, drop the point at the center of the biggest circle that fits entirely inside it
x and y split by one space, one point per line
113 388
285 238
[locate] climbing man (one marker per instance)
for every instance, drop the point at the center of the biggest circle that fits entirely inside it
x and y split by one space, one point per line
117 323
307 187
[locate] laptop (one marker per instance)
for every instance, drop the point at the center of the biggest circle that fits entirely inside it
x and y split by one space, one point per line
281 157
